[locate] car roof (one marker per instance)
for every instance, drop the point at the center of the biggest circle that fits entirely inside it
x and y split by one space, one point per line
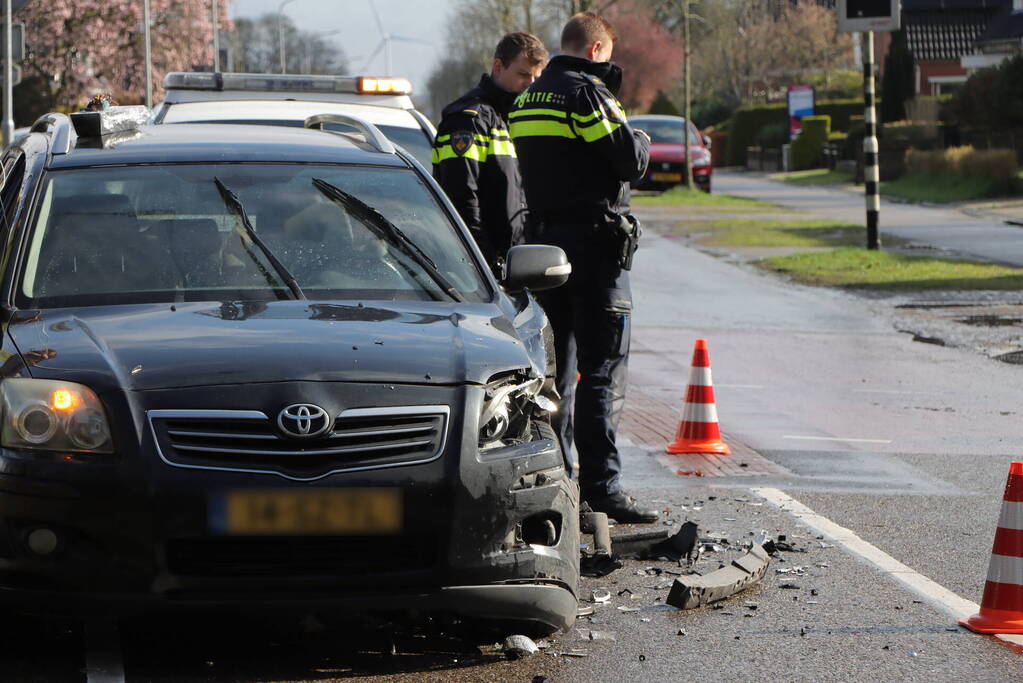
656 117
275 110
221 143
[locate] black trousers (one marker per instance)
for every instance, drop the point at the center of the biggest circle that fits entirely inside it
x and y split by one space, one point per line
590 318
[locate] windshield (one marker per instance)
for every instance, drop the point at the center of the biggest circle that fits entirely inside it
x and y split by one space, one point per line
666 130
146 234
414 140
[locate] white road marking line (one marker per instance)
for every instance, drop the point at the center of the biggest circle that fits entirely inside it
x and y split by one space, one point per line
834 438
931 591
103 663
891 391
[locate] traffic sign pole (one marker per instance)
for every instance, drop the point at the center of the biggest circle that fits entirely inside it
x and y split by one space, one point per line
871 170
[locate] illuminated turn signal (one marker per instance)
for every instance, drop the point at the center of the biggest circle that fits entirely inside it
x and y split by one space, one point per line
62 399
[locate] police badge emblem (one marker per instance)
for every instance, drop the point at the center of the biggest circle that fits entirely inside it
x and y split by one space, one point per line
613 111
461 141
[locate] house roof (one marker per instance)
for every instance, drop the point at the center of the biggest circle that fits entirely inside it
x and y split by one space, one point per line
937 35
1005 25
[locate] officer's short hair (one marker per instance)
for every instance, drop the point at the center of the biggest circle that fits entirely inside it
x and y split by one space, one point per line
584 29
526 44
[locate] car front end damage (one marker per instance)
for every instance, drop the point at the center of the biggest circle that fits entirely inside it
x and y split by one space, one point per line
438 496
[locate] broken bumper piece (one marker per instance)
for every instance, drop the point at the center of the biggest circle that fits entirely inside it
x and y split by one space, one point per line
695 591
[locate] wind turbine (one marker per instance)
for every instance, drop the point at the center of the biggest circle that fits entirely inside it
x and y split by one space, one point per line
385 42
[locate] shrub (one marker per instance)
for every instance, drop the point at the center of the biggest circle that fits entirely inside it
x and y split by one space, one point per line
994 164
747 122
991 98
806 148
745 125
774 135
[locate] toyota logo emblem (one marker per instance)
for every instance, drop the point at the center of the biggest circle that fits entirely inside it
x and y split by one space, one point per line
303 421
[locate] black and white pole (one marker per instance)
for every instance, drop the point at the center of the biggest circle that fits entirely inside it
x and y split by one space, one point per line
871 172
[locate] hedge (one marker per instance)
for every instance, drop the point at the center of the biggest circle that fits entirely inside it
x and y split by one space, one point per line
747 122
806 148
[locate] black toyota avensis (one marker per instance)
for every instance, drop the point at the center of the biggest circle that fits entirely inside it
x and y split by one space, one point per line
258 369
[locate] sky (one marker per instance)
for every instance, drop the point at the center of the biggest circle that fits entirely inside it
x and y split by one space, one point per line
359 36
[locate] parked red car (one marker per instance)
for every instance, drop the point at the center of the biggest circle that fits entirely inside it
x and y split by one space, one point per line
666 159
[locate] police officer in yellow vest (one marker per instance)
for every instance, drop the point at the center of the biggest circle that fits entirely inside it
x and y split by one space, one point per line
473 156
577 154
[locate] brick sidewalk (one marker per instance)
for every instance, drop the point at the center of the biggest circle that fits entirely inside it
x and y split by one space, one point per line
649 423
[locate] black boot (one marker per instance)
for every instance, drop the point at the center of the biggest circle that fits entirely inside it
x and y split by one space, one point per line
623 509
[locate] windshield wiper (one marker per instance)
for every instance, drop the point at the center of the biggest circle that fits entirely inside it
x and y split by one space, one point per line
377 222
235 204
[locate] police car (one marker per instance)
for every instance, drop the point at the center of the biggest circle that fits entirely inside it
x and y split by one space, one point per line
260 372
288 100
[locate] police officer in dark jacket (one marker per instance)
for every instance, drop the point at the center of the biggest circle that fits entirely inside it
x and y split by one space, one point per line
473 156
577 154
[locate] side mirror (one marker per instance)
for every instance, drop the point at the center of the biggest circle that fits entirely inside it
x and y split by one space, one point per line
536 267
706 141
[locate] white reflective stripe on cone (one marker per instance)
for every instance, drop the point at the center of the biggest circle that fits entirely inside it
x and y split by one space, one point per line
700 412
700 377
1004 569
1011 516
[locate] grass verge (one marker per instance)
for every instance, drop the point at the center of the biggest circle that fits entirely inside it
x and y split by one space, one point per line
733 232
946 187
683 196
880 270
814 176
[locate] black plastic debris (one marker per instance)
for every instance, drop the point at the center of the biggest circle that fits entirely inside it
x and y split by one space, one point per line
517 647
599 564
638 543
688 592
790 586
681 545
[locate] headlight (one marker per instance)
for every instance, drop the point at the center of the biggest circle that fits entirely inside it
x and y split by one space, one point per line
506 404
53 416
699 157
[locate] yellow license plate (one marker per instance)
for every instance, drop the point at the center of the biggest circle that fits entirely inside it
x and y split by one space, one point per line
316 511
667 177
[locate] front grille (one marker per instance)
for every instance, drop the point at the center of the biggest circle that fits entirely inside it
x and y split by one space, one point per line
248 440
281 557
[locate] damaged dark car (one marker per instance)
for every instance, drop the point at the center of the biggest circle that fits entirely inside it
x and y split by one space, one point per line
254 371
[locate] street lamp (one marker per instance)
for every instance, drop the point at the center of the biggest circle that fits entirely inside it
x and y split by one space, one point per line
280 32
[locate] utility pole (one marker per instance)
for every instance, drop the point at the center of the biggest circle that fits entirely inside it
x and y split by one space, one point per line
687 95
216 36
149 54
8 125
871 172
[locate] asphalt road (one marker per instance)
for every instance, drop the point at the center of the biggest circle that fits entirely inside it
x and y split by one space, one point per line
905 444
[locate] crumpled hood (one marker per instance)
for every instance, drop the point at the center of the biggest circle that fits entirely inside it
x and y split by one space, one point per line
159 346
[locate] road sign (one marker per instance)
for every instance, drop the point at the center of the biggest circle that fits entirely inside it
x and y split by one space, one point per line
869 15
15 73
17 41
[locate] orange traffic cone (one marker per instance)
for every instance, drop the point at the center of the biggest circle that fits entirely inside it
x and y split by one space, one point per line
698 430
1001 610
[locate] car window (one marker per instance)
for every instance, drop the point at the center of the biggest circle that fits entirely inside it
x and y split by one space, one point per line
667 130
13 176
140 234
415 140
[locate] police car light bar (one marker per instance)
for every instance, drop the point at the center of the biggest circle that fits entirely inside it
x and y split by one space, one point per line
383 86
180 80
